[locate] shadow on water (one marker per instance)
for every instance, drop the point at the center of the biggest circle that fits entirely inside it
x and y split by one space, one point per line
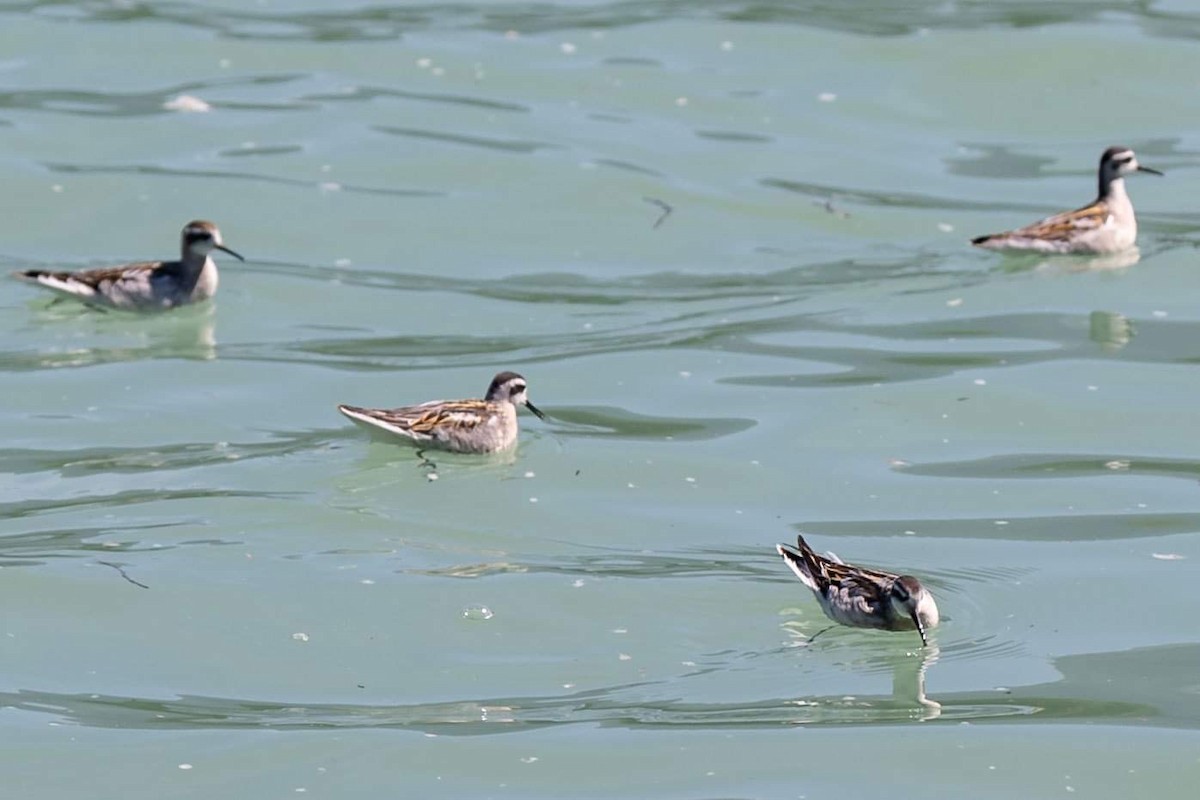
1116 676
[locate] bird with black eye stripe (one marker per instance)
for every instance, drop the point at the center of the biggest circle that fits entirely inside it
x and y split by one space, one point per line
145 285
460 426
1106 225
862 597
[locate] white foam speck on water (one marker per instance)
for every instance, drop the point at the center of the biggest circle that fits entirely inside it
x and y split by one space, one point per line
478 613
187 103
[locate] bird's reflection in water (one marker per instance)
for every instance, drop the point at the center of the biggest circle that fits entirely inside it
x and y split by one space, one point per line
1110 329
1026 262
908 681
908 700
188 333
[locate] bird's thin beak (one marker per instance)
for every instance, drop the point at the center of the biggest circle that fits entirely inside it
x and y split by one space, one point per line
225 249
1147 169
920 629
535 410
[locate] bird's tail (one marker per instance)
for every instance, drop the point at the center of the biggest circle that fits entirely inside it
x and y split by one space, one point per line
802 561
60 282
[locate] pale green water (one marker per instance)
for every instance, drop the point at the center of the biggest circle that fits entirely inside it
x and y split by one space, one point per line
806 342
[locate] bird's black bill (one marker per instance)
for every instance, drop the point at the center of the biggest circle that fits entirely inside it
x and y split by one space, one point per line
536 412
1147 169
920 629
225 249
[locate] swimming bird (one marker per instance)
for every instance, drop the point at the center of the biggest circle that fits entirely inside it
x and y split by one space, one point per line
461 426
1106 225
147 285
861 597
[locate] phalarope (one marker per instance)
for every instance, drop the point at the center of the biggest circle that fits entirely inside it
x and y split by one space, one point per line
148 285
1107 225
461 426
861 597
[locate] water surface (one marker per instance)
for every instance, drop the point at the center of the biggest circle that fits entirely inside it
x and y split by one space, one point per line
726 244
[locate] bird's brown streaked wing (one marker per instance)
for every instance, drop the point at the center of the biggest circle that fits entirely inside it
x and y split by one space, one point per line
97 277
1063 226
835 572
394 417
456 414
841 572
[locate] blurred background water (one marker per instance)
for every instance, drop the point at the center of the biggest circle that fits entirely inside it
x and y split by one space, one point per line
726 244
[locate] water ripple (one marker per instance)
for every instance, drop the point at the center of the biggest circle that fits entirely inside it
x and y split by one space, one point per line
159 458
756 564
574 289
1058 465
1073 528
663 703
38 547
608 707
223 175
757 315
137 104
888 199
1177 222
29 508
369 93
617 423
619 706
503 145
945 346
386 23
